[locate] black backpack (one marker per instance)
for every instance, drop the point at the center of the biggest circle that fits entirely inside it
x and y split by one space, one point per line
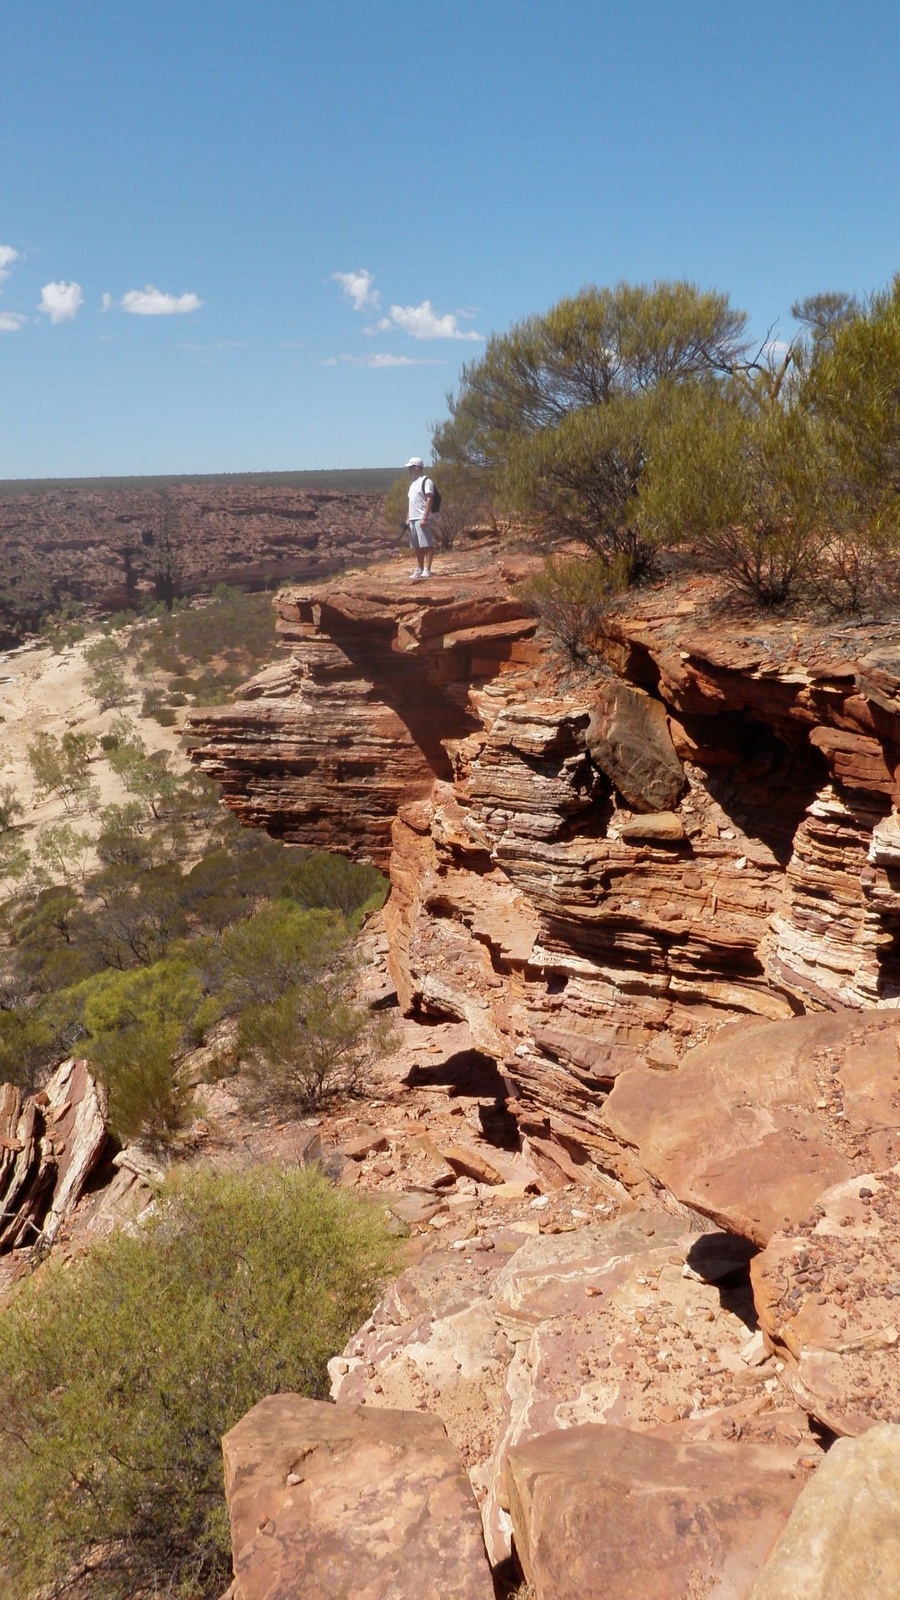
436 497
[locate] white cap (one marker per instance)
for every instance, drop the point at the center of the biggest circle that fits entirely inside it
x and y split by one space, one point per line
415 461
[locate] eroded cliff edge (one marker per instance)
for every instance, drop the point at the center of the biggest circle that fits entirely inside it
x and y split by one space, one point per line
595 874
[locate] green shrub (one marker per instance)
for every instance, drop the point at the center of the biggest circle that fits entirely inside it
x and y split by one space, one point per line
176 701
573 596
105 677
136 1022
108 741
165 716
322 879
118 1377
310 1047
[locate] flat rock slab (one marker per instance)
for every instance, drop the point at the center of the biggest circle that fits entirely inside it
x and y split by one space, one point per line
828 1297
330 1501
600 1513
636 1321
750 1130
843 1538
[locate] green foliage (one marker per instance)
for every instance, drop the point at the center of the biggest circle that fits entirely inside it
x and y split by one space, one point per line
583 478
852 386
119 1375
61 766
105 678
750 488
62 853
62 627
308 1047
165 716
573 596
201 634
11 807
144 774
334 882
136 1022
584 351
256 960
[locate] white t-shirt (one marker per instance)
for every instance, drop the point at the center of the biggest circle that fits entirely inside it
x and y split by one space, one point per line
419 490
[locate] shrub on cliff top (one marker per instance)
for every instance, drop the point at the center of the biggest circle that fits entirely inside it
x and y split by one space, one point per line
118 1377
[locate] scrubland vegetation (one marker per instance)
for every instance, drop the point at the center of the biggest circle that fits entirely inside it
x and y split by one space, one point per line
142 929
119 1375
133 933
636 421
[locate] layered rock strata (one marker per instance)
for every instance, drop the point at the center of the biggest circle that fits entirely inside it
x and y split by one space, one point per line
593 875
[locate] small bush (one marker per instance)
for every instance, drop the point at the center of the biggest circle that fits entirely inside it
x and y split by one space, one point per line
108 741
165 716
119 1375
572 596
309 1048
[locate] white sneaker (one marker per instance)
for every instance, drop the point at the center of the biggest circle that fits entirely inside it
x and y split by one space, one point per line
415 576
426 572
416 572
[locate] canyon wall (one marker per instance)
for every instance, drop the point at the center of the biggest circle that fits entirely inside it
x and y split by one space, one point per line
595 872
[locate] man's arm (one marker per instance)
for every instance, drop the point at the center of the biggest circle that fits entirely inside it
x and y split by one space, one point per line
428 499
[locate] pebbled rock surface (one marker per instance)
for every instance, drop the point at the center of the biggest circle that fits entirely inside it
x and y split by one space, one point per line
637 1321
752 1128
842 1541
334 1501
601 1513
828 1297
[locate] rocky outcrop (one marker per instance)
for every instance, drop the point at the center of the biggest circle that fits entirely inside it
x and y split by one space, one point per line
333 1503
593 875
665 901
49 1144
755 1125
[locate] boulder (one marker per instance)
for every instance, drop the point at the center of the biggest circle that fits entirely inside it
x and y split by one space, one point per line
330 1501
628 739
601 1513
842 1541
828 1297
750 1129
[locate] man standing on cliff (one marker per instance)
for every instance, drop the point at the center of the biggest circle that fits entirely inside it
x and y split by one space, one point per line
421 495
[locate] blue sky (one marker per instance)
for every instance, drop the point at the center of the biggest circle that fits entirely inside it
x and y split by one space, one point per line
300 217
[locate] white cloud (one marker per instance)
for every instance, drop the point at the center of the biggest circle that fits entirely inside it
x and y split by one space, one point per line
108 303
11 321
358 288
150 302
423 322
376 362
61 301
8 259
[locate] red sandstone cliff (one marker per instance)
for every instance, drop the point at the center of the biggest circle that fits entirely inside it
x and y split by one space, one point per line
592 875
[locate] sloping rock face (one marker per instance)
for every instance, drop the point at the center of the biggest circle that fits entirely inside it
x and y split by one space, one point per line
842 1538
333 1503
597 875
